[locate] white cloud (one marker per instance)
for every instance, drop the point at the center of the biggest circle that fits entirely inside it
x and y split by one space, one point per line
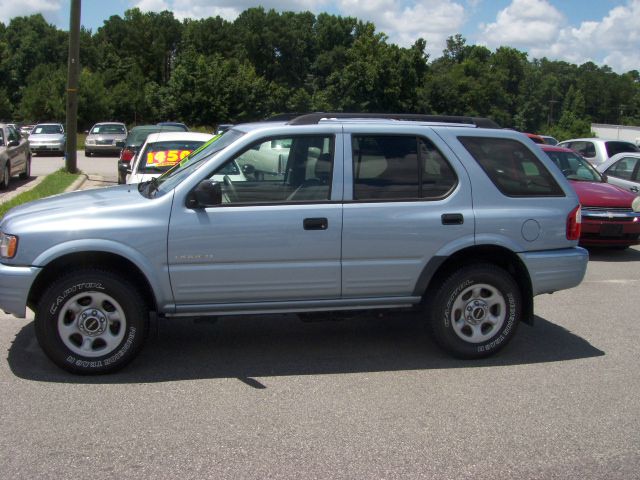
12 8
540 28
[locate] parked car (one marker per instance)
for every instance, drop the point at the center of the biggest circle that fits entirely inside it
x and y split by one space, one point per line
463 223
536 138
610 214
179 125
105 138
48 138
25 130
131 145
161 151
597 150
623 170
549 140
15 156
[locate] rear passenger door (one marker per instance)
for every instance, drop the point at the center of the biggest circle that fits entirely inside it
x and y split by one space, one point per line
624 173
407 201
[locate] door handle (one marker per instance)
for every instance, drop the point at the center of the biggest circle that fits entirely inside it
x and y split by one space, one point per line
315 223
452 219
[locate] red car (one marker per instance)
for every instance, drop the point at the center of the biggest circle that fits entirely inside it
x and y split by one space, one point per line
610 215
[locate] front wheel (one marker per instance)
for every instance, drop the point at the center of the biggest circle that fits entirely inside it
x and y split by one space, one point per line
91 322
27 170
476 311
6 176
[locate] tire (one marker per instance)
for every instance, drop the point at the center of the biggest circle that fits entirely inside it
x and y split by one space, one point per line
476 311
27 170
6 177
87 153
91 322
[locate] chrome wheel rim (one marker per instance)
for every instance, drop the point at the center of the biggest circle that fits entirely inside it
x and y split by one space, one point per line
478 313
91 324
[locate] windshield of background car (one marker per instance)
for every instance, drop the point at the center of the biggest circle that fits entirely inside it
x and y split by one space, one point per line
47 129
620 147
173 177
574 167
108 129
161 156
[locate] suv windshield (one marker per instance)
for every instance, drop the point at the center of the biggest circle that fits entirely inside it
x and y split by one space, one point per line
173 177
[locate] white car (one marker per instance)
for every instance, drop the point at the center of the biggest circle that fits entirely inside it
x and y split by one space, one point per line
623 170
598 150
163 150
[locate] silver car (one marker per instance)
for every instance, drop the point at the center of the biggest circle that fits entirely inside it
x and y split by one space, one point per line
105 138
15 157
623 170
48 138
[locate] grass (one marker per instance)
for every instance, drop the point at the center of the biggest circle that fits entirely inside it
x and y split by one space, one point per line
53 184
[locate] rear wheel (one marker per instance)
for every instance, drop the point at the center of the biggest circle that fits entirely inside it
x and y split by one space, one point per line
476 311
91 322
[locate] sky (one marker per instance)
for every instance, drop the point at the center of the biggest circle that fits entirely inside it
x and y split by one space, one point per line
606 32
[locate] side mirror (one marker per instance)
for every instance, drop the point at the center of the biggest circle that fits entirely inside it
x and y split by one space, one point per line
13 143
123 167
604 177
87 132
208 193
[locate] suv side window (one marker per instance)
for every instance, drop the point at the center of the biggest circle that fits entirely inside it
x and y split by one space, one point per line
585 149
623 169
387 167
13 135
512 167
279 170
620 147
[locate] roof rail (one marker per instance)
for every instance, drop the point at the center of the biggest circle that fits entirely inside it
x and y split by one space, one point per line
314 118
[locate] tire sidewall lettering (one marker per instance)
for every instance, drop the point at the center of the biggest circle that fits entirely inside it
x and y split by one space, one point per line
126 346
452 298
72 291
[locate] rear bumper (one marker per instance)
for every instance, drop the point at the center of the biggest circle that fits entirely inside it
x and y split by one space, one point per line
555 270
15 283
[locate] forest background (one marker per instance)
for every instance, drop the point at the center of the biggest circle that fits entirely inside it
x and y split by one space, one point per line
149 67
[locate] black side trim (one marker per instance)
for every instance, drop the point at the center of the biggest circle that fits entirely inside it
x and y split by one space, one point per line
427 274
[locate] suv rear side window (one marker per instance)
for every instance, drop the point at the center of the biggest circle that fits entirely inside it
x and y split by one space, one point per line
620 147
512 167
387 167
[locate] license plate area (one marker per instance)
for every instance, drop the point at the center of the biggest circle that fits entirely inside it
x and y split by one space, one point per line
611 230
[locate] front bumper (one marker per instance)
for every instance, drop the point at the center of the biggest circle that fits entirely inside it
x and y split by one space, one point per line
43 147
15 283
553 270
610 228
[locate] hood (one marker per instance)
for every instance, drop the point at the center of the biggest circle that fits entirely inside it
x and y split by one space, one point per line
80 206
594 194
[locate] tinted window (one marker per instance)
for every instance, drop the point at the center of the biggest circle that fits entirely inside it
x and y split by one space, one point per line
620 147
623 168
48 129
108 128
399 167
279 170
512 167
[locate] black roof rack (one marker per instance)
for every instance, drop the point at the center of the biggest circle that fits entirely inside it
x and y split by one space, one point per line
314 118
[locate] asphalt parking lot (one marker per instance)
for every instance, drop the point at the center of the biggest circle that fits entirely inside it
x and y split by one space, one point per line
366 397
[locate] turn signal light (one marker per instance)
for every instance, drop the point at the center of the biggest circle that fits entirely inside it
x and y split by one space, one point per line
8 245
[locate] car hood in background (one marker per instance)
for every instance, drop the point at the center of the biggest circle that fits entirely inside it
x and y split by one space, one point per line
107 136
594 194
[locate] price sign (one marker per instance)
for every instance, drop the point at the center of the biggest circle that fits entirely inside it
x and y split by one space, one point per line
165 158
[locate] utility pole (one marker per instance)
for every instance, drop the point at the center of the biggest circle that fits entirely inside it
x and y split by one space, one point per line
73 77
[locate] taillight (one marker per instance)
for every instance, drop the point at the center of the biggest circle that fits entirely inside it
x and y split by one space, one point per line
126 155
574 224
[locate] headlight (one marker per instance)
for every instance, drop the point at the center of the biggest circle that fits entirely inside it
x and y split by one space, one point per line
8 245
90 142
635 205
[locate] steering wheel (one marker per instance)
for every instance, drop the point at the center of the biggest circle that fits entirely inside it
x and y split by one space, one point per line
230 188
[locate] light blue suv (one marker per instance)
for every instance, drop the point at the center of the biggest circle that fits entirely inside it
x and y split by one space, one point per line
460 220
